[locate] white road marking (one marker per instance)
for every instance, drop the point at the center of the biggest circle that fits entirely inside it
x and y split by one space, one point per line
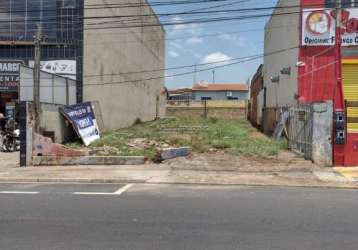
118 192
18 192
92 193
123 189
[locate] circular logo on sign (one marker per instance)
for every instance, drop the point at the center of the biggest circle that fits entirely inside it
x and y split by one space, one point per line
318 22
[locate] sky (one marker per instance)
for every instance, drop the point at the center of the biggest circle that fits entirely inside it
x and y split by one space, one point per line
202 43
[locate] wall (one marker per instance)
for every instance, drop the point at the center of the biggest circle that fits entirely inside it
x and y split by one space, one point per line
209 104
322 134
282 33
256 86
110 53
52 121
232 109
225 113
220 95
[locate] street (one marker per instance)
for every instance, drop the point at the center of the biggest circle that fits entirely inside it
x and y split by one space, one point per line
91 216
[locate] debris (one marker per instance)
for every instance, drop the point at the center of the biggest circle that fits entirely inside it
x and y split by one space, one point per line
213 150
142 143
105 150
280 126
44 146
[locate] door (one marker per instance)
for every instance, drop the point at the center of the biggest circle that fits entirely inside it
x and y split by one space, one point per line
350 90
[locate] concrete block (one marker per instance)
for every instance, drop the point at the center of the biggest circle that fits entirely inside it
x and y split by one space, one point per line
322 134
171 153
87 160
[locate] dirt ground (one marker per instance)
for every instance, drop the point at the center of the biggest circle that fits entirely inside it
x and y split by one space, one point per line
220 161
9 160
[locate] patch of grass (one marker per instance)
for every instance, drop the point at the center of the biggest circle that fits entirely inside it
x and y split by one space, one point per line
234 136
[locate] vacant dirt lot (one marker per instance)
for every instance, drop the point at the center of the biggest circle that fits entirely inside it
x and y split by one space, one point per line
221 161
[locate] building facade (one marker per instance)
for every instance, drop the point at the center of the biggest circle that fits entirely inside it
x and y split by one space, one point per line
220 92
116 62
302 66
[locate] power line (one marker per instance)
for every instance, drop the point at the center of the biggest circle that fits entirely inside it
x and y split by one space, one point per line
242 60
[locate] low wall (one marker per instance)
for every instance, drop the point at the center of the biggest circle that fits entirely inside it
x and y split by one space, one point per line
209 103
226 113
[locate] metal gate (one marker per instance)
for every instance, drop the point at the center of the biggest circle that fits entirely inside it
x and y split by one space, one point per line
300 129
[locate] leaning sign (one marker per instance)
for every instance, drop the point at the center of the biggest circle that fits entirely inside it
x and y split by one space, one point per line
9 75
83 120
318 27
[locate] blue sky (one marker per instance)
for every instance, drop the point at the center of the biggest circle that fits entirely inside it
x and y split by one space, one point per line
190 44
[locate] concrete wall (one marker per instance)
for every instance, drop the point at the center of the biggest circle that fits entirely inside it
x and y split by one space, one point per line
53 122
110 53
222 95
322 133
209 104
282 32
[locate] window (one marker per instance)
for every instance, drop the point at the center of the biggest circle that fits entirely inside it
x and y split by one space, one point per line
19 19
345 3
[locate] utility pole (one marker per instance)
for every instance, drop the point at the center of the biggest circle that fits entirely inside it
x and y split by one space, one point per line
36 90
339 104
213 76
338 98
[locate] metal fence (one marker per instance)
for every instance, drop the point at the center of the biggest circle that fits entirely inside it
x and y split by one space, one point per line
300 129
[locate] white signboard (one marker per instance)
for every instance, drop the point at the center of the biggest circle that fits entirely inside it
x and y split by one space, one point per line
318 27
65 68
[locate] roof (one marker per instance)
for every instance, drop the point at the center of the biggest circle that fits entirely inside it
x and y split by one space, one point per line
179 91
221 87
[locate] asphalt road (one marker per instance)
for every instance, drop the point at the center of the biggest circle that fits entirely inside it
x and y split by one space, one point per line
39 216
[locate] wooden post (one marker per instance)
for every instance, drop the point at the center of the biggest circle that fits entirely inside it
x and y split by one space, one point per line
205 109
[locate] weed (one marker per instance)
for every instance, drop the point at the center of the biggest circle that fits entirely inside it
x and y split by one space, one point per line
233 136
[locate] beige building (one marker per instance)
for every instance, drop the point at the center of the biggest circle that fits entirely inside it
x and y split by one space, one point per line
281 52
113 51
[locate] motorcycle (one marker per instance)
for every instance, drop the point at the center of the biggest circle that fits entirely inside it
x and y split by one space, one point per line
10 136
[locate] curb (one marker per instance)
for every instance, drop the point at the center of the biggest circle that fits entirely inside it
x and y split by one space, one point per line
87 160
151 182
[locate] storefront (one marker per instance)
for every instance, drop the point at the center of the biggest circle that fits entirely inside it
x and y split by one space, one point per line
318 52
61 47
9 86
314 67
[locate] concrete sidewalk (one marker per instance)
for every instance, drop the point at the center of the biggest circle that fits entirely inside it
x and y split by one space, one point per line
208 169
155 174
